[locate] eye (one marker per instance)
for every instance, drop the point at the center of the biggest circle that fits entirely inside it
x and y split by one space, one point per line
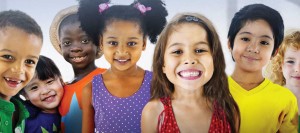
200 50
85 41
177 52
50 81
264 43
245 39
290 62
66 43
33 88
131 43
8 57
114 43
30 62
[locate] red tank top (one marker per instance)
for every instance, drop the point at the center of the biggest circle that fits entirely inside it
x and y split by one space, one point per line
167 122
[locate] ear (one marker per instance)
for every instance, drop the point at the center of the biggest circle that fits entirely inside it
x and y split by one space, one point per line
144 43
101 44
228 45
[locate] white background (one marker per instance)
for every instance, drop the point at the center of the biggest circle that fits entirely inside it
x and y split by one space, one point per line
220 12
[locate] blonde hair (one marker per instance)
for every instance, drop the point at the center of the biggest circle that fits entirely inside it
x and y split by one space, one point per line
274 69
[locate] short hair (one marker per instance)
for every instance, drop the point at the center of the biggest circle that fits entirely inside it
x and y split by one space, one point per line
254 12
71 19
20 20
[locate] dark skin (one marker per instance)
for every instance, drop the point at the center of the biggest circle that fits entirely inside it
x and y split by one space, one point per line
78 49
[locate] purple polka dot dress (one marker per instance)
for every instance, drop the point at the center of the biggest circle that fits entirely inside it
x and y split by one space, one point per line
119 115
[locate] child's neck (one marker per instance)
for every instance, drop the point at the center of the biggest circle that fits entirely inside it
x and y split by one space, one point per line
81 73
247 80
131 72
6 98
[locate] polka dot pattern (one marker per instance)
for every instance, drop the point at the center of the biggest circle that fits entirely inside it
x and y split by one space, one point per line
116 115
167 122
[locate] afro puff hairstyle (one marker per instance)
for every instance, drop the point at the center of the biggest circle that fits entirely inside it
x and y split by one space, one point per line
151 22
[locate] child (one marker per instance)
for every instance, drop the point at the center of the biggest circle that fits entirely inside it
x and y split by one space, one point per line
255 33
113 102
188 62
286 64
80 51
21 41
43 94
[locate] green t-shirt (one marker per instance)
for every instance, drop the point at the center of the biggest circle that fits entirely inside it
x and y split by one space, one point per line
6 112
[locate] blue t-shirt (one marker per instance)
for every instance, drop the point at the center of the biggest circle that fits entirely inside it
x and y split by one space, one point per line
40 122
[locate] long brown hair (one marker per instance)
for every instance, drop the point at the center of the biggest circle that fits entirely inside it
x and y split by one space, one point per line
216 89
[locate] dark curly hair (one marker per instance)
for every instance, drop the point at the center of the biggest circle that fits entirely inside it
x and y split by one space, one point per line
254 12
93 22
20 20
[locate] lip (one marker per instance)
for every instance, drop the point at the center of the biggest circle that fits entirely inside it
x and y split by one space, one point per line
296 77
122 61
49 99
250 58
12 82
78 59
190 74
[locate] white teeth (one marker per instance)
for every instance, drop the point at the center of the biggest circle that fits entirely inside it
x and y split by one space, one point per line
18 81
122 60
189 74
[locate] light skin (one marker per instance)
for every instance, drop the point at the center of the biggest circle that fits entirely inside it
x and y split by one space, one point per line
19 53
78 49
122 43
46 94
291 70
188 64
253 46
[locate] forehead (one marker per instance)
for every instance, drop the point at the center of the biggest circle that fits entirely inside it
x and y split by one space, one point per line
187 33
15 39
117 25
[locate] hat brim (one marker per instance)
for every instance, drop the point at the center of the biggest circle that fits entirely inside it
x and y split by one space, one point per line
53 32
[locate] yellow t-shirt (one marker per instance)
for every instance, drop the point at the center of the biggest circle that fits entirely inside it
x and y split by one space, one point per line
267 108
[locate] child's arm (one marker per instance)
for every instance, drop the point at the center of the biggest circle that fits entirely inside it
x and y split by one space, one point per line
150 116
88 112
290 120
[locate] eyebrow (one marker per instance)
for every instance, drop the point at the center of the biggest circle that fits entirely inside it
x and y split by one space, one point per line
6 50
131 38
198 43
265 36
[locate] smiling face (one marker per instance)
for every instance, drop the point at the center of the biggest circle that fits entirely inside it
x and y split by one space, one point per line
45 95
19 52
253 46
188 62
291 67
77 48
122 44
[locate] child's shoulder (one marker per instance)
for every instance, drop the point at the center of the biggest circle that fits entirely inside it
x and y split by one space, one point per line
282 91
152 110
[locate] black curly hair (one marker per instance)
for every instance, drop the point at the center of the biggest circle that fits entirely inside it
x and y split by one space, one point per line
151 22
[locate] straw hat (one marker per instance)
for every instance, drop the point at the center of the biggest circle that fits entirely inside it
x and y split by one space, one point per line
54 33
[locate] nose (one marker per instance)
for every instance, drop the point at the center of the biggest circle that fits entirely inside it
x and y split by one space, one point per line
121 50
45 90
190 58
297 67
253 47
76 48
18 68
